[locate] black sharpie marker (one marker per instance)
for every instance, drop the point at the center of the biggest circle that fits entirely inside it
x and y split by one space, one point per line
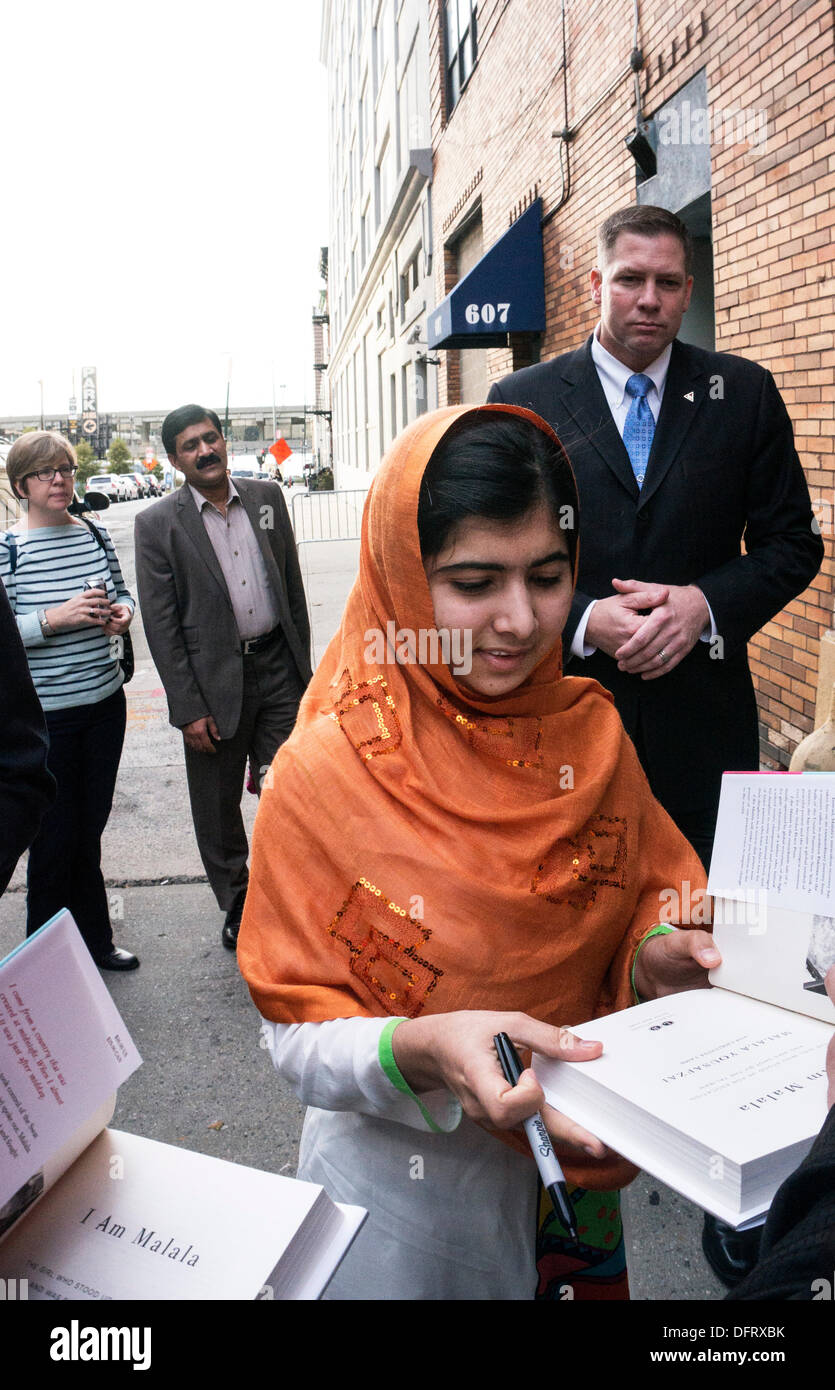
553 1178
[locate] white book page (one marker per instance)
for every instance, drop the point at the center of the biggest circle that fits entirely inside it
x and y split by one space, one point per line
730 1073
36 1187
775 834
314 1280
134 1218
64 1049
775 954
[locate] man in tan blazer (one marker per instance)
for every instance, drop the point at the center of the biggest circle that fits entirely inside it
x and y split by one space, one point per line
224 612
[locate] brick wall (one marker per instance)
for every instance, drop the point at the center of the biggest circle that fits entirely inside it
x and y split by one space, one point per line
773 206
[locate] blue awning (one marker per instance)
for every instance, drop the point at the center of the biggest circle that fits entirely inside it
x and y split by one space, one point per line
503 293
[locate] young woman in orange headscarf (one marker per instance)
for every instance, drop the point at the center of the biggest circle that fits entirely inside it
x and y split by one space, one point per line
468 845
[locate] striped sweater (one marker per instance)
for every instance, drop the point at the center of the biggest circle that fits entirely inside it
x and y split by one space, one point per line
79 667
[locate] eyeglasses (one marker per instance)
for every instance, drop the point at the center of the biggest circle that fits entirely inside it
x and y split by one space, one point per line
45 475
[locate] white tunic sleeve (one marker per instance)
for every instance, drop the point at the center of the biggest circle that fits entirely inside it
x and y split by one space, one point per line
347 1064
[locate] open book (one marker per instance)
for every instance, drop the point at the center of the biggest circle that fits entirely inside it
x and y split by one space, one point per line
92 1213
720 1093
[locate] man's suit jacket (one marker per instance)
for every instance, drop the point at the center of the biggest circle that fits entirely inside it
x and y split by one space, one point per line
186 609
722 466
797 1258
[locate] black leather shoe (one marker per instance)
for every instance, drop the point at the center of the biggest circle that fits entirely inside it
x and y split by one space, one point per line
229 935
731 1254
117 959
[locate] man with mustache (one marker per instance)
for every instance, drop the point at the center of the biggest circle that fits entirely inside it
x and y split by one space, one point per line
224 612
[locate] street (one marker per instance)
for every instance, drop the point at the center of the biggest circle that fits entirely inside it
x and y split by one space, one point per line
206 1083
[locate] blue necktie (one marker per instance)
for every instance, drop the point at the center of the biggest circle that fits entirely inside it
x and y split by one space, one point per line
639 426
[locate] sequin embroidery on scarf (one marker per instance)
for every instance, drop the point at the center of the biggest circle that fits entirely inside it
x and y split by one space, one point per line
366 715
516 741
386 948
594 859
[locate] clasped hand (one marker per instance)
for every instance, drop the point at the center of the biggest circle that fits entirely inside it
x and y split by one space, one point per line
648 644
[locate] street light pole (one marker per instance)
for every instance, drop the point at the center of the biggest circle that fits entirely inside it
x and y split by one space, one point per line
228 384
40 383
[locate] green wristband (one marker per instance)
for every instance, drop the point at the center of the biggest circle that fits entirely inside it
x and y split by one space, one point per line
660 930
395 1076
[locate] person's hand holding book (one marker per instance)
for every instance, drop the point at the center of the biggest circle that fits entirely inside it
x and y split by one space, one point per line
456 1051
674 962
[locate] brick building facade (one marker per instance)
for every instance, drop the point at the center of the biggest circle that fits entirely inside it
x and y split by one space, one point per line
537 98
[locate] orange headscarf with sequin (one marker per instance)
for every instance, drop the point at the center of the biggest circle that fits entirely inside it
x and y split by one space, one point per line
419 850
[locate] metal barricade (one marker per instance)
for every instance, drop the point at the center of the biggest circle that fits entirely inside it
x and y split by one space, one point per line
328 516
328 571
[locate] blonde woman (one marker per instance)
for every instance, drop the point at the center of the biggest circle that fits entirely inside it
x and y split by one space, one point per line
46 559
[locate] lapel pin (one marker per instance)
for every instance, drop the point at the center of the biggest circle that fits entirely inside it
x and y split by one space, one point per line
688 395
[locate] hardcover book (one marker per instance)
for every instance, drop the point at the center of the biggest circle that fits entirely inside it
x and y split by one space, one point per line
721 1092
88 1212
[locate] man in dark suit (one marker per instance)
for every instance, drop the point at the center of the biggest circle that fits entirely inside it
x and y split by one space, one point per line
666 601
224 612
680 454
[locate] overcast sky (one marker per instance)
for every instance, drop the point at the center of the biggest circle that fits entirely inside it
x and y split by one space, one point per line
164 177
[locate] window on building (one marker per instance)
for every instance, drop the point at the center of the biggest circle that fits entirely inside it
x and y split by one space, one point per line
361 123
384 181
367 361
380 411
420 387
409 281
359 425
414 133
380 53
461 46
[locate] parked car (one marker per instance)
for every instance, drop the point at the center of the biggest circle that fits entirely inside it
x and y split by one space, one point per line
108 483
143 482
